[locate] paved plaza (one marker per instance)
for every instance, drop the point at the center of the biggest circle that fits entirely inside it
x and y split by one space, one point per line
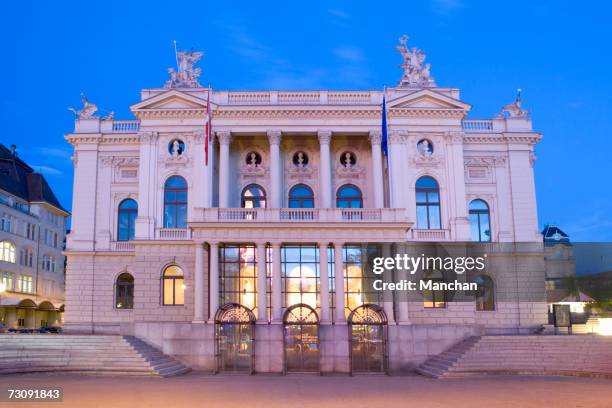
304 391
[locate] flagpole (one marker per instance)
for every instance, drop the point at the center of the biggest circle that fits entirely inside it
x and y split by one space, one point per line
387 161
176 55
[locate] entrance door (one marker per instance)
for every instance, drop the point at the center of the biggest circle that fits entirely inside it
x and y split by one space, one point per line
302 348
235 339
235 345
367 348
368 337
301 339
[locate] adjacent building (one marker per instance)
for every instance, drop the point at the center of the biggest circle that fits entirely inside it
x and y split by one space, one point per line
236 229
32 234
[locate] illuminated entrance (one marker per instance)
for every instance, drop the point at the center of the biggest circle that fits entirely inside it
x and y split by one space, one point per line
234 324
368 337
301 339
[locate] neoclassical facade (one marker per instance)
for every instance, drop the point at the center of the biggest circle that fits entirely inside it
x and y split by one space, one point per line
247 245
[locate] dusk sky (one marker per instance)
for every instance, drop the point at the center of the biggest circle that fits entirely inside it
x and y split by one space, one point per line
558 52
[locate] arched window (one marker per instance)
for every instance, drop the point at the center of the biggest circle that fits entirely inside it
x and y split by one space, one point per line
253 196
485 293
173 286
301 196
479 221
7 251
124 291
428 203
349 196
175 203
128 211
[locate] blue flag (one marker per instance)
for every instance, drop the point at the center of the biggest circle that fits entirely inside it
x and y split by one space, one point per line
384 127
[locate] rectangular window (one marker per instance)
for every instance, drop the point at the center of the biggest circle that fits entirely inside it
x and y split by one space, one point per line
359 277
25 284
300 275
7 280
238 273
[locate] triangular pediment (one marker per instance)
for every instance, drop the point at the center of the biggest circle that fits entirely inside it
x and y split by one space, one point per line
170 100
427 99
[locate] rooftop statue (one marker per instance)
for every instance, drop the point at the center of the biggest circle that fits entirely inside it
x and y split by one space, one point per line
187 75
416 74
90 111
87 111
514 109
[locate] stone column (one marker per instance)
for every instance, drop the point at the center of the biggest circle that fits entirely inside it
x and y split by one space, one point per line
201 188
388 295
277 293
402 298
274 138
262 300
225 138
377 169
456 196
324 283
325 168
339 280
147 186
198 314
397 174
213 296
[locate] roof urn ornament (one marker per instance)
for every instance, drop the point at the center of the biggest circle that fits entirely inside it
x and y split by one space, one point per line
187 75
416 73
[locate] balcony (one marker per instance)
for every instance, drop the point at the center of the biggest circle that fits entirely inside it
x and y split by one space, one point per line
301 215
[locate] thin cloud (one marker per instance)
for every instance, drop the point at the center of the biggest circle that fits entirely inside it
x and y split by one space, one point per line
52 152
350 54
445 7
339 14
48 171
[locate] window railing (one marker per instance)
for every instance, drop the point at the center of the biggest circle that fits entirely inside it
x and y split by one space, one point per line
125 246
173 233
430 235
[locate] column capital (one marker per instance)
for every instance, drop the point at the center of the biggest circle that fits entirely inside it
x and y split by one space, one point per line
148 137
338 243
276 244
213 243
398 137
274 136
224 136
199 135
323 243
375 137
324 136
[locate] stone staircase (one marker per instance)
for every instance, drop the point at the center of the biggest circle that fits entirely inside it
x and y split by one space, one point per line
95 354
584 355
